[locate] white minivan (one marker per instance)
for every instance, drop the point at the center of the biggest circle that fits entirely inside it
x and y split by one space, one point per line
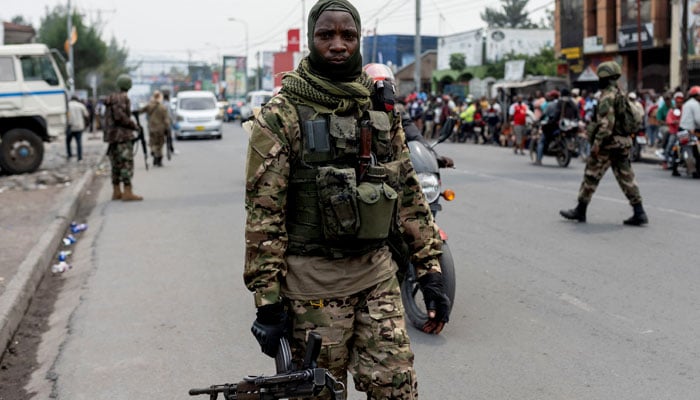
197 115
33 105
254 99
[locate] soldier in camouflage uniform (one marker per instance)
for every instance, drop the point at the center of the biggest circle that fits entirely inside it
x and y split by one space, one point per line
611 148
317 221
119 133
158 125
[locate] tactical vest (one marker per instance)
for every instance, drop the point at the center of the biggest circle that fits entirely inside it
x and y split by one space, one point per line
330 212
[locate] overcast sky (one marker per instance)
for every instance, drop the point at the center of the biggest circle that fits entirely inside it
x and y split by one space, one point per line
202 29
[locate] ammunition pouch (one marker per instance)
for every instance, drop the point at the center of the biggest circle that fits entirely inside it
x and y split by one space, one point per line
377 210
338 202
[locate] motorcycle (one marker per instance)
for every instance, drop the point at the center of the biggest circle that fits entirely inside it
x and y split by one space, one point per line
563 145
639 140
425 163
682 154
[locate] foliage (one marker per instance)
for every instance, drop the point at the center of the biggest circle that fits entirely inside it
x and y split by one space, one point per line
457 61
20 20
544 63
512 15
113 66
89 52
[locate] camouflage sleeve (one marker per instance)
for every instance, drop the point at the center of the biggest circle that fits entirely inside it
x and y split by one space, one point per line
605 119
122 113
267 173
417 223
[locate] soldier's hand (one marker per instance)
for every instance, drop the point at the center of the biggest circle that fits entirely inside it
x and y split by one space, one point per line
436 302
595 149
269 327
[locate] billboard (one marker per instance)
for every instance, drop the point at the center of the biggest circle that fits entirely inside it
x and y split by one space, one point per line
235 76
693 29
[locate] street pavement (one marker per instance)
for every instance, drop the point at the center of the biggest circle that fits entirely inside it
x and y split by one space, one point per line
36 210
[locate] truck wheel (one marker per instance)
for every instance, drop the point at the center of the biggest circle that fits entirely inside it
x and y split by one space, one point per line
21 150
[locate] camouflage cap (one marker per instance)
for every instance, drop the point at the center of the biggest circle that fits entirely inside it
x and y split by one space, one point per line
124 82
609 69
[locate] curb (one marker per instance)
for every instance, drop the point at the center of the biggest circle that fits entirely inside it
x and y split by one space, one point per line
18 294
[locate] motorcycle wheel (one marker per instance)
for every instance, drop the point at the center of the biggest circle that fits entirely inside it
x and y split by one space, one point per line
563 156
412 297
533 148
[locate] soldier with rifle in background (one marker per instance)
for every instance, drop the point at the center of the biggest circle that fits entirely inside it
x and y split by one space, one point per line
119 133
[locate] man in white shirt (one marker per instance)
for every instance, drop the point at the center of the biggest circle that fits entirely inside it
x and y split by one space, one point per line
690 121
77 115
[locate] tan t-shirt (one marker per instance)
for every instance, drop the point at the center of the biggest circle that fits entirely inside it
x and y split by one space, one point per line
313 278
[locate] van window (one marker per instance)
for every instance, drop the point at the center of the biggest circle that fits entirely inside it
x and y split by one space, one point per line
196 103
38 68
7 69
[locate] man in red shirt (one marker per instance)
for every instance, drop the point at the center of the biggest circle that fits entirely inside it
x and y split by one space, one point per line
519 119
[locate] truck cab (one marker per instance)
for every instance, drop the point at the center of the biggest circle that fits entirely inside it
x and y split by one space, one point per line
33 105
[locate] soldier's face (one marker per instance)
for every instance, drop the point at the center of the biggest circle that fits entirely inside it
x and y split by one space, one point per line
335 36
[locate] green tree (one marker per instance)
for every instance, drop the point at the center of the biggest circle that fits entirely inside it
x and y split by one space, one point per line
20 20
89 52
511 15
544 63
113 66
457 61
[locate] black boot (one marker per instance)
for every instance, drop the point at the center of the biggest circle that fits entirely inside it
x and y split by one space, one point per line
578 213
638 218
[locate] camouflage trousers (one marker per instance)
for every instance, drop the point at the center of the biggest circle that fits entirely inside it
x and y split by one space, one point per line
121 156
156 139
364 334
614 157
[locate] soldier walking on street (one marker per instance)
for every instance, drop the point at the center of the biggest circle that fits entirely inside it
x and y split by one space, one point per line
610 149
328 180
158 125
119 133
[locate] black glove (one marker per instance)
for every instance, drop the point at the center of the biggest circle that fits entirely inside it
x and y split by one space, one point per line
436 302
445 162
269 327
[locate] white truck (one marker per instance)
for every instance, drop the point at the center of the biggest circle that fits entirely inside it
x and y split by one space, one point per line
33 105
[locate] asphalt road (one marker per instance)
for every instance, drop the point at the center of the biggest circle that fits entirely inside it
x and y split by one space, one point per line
545 308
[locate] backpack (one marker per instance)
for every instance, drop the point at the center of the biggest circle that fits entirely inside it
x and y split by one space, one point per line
629 115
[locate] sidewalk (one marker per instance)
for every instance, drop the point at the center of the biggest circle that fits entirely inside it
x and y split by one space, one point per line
35 213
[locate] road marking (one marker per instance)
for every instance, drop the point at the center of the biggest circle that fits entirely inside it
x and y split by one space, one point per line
576 302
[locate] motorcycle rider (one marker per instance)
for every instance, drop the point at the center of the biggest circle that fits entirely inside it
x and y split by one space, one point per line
558 109
382 72
690 121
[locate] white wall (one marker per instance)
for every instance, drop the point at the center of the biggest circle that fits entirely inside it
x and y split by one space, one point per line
499 42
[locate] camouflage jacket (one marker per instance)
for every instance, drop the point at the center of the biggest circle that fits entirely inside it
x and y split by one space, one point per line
274 147
158 116
119 125
602 128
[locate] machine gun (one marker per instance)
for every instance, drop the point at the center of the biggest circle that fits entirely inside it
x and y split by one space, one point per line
309 381
141 138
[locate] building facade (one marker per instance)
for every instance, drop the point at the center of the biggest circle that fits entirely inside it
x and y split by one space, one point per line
481 46
640 39
394 50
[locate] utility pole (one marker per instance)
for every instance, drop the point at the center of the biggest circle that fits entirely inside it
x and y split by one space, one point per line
417 51
684 46
302 37
639 46
71 74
